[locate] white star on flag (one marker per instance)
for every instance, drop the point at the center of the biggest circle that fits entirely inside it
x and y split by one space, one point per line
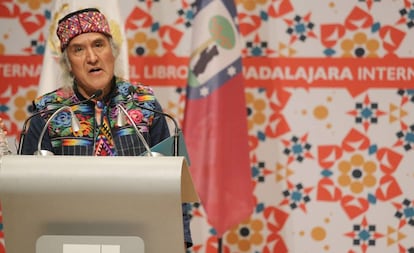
204 92
231 71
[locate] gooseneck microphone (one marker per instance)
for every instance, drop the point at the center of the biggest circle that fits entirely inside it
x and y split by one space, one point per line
121 122
75 127
23 133
177 130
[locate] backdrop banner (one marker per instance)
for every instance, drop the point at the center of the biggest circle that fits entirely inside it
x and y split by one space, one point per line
328 98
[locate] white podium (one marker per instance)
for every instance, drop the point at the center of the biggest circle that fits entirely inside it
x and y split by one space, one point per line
60 202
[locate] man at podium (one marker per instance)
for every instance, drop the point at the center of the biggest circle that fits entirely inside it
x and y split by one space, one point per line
86 116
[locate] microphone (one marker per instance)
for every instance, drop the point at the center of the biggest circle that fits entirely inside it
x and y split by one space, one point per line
23 133
121 122
75 128
177 130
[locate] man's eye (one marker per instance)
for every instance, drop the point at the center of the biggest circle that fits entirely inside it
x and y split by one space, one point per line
98 44
77 49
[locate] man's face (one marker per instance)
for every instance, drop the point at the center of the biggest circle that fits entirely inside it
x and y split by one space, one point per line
91 62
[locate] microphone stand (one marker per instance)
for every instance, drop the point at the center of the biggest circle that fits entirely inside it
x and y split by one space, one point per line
125 113
177 130
23 132
97 93
75 128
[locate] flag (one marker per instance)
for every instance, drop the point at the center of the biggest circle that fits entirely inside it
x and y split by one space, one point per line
51 75
215 118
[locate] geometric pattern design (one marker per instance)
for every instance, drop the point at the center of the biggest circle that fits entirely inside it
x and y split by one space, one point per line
331 159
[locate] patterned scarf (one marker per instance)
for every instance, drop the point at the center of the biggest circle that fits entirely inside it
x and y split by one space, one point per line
104 145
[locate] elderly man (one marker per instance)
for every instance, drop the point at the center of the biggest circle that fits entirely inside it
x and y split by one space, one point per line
89 60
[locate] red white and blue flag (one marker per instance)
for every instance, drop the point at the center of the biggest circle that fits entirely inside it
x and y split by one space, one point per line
215 122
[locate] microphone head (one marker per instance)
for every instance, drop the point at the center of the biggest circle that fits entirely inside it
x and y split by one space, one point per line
97 94
131 90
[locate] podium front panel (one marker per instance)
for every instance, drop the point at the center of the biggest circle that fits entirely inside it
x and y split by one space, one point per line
92 196
89 244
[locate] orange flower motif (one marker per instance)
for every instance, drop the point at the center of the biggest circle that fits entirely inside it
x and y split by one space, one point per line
141 45
250 5
256 111
34 4
246 234
357 173
22 102
360 46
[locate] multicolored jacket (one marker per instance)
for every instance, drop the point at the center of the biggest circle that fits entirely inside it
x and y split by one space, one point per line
61 140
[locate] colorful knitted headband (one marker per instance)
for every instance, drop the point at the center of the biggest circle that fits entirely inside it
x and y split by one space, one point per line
78 22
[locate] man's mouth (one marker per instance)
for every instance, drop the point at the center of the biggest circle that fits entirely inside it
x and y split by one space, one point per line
95 70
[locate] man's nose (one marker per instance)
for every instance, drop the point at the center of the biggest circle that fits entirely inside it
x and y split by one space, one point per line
91 56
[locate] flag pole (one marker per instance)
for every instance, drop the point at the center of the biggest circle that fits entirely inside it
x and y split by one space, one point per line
220 245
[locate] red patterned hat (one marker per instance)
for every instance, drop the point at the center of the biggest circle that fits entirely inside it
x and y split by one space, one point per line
78 22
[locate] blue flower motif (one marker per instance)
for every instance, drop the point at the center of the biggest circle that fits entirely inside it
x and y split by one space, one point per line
44 101
147 113
124 89
63 119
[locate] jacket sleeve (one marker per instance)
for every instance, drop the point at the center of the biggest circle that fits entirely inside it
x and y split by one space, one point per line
31 138
159 128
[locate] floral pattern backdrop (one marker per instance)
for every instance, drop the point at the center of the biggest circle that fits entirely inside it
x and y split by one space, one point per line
330 104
